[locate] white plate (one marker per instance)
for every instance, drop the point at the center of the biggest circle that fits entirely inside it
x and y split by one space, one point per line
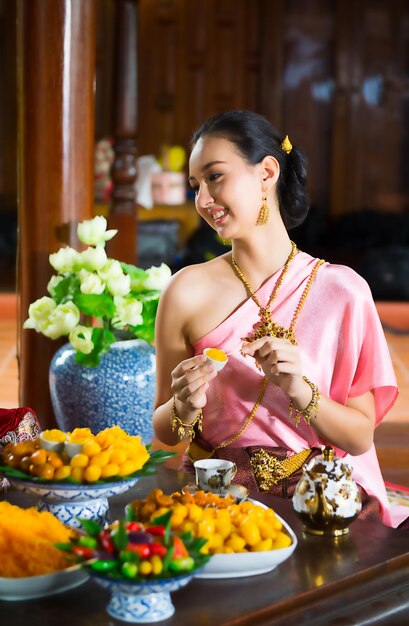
248 563
40 586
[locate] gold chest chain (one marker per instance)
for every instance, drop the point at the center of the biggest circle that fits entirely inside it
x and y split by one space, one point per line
267 327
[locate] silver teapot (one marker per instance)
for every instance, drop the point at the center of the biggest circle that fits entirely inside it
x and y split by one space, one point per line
327 498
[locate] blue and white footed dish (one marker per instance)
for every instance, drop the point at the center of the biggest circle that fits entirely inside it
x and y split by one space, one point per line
68 502
141 602
119 391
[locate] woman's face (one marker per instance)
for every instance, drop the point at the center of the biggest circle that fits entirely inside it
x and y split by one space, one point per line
228 190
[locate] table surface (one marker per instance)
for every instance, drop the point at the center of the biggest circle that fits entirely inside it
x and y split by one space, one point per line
359 579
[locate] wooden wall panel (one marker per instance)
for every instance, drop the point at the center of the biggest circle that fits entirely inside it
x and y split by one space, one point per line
307 83
207 59
384 79
372 86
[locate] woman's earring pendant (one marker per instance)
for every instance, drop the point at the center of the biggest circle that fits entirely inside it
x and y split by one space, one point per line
264 213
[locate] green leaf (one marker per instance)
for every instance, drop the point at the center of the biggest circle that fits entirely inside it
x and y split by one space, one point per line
92 528
66 289
167 558
161 520
65 547
146 330
129 513
149 296
90 360
147 333
133 271
102 338
164 520
160 456
119 537
12 472
96 305
137 275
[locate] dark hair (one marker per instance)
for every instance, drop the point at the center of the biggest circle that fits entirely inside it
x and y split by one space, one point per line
255 138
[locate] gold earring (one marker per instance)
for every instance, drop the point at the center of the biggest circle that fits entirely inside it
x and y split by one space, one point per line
264 213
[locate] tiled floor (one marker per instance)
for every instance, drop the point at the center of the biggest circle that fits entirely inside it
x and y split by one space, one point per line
392 437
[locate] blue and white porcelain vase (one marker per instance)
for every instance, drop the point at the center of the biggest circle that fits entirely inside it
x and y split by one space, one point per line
119 391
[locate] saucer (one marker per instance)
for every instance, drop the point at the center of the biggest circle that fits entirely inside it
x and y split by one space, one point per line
237 491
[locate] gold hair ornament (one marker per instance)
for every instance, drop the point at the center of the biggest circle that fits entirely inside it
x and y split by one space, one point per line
286 145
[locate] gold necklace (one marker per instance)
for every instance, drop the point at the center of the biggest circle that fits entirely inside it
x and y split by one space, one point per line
195 451
267 327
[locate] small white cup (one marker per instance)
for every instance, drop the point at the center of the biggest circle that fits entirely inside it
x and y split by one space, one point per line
73 448
217 364
214 475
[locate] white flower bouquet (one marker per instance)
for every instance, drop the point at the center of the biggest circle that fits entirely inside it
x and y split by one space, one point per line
95 300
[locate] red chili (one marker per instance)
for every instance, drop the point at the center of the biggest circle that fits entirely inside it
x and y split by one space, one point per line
157 549
141 549
105 540
133 526
158 531
84 553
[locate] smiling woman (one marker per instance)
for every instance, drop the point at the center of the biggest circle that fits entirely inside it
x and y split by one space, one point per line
313 368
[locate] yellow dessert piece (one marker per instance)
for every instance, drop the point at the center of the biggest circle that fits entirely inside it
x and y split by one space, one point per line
54 435
80 435
216 355
27 539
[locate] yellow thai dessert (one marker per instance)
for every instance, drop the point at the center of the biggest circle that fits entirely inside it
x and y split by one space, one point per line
228 525
27 539
84 457
215 354
54 435
80 435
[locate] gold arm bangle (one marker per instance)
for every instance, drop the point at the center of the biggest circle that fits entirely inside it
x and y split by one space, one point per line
310 410
183 429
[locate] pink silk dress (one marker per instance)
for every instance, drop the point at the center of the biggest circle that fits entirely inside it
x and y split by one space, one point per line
343 351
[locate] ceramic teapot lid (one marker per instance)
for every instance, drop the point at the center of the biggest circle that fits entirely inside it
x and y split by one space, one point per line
328 464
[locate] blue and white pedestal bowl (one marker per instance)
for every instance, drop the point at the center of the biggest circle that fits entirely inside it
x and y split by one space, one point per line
143 603
120 391
68 502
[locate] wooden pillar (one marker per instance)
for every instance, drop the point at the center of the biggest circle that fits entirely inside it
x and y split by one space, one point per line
56 66
122 214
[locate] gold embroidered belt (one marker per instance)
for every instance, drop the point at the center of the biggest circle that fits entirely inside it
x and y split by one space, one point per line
268 470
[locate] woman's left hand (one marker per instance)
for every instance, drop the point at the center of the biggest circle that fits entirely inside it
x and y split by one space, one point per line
280 361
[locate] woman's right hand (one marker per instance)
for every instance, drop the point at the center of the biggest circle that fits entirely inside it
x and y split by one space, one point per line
190 381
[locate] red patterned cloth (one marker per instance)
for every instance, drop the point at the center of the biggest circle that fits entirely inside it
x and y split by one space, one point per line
18 425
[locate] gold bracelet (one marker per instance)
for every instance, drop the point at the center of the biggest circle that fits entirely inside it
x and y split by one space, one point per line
182 428
310 410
